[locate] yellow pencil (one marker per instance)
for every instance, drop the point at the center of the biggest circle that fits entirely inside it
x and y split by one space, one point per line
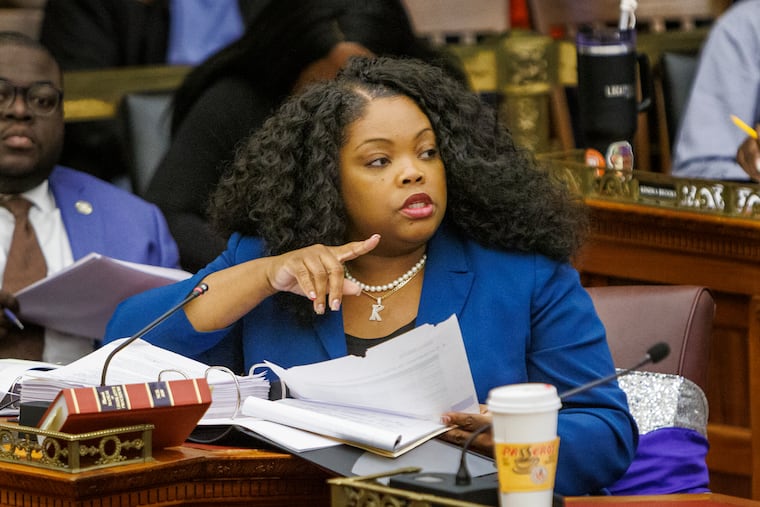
746 128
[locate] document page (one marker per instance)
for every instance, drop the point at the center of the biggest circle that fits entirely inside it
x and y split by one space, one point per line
422 374
387 402
81 298
380 432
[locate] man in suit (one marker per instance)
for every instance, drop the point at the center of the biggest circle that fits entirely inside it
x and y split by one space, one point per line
67 214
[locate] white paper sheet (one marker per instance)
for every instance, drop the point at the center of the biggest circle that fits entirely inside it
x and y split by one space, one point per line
422 374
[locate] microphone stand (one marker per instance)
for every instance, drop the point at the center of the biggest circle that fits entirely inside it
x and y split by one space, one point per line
197 291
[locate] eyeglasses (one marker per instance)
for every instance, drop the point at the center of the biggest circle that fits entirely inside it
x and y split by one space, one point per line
42 99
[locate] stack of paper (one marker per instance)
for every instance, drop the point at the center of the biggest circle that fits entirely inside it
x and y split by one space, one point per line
12 371
143 362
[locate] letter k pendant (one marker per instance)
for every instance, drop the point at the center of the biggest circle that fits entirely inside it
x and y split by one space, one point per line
376 309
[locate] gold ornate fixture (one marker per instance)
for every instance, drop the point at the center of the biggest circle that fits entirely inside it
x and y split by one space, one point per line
714 197
75 453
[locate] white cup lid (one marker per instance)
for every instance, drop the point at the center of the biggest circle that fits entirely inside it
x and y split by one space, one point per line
523 398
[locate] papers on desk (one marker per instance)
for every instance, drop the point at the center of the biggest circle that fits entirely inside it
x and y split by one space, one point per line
81 298
382 433
143 362
387 402
12 371
390 378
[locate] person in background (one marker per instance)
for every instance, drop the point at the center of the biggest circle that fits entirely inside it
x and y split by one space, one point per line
51 215
99 34
708 144
389 198
289 43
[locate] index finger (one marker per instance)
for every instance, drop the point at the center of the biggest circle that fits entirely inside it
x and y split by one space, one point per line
356 249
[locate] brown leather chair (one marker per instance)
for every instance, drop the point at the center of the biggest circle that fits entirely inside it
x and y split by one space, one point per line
638 316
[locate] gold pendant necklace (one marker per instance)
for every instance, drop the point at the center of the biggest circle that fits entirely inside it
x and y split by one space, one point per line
394 287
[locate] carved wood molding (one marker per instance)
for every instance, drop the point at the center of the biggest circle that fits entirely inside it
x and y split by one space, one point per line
677 231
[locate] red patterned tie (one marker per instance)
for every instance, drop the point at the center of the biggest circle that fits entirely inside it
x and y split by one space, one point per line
25 265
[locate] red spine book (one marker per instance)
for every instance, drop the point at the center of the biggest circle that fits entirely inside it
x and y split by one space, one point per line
174 407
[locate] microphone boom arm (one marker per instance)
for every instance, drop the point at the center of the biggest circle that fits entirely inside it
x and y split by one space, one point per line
199 290
655 354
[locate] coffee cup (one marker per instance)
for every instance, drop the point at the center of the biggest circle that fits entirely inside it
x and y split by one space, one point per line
526 445
607 86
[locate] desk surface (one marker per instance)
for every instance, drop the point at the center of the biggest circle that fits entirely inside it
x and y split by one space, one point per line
699 500
208 475
177 476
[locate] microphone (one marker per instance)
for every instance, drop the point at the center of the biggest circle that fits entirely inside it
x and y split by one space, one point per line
484 489
199 290
655 354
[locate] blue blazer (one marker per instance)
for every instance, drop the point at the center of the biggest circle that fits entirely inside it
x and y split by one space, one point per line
523 317
102 218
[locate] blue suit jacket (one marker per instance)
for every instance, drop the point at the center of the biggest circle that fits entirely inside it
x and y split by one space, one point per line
524 318
100 217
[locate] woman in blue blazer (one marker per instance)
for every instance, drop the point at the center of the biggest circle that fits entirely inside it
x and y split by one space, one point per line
388 199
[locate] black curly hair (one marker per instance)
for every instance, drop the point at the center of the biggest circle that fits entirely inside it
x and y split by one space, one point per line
284 185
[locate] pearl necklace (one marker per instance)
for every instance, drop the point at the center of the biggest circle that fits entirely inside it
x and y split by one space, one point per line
389 288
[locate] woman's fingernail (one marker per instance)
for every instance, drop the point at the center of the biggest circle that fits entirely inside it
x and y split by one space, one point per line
445 419
312 295
320 308
335 305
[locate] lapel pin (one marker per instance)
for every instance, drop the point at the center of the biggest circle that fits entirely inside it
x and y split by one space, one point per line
83 207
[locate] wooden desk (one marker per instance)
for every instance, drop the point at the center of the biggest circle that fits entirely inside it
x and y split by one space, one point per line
364 491
178 476
700 500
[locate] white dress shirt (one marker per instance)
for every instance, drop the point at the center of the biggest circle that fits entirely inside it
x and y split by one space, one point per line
54 242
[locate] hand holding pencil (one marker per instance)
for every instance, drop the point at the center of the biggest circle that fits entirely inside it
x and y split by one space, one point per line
746 128
748 154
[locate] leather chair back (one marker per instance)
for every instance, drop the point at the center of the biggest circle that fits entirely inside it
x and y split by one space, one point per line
146 118
638 316
677 75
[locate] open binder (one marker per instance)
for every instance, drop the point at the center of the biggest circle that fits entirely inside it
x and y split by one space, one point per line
142 362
